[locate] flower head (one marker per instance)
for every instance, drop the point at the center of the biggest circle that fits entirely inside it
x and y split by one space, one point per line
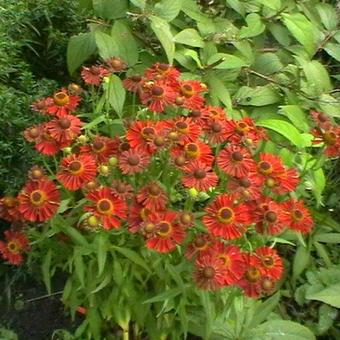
13 248
133 161
94 75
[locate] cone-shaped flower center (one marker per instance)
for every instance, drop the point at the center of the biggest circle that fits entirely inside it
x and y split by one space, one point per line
225 260
200 173
187 90
124 147
148 132
64 123
208 272
136 79
163 67
159 141
297 215
13 246
157 91
154 190
37 197
252 274
268 261
182 127
164 229
34 133
242 128
98 146
245 182
192 150
76 167
9 202
322 117
200 243
61 99
105 206
270 216
180 160
225 215
329 137
237 156
216 127
195 113
265 168
133 160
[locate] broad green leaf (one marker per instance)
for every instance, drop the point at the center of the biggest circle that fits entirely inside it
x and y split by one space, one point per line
301 260
302 30
94 122
237 6
246 49
328 16
103 283
79 265
116 94
317 77
328 237
280 33
323 253
296 116
79 49
189 36
139 3
258 96
168 294
318 184
107 46
287 130
125 41
46 270
162 30
272 4
333 50
268 63
219 92
191 9
168 9
280 330
95 323
186 60
75 235
101 251
330 105
110 9
329 295
226 61
254 26
264 309
132 256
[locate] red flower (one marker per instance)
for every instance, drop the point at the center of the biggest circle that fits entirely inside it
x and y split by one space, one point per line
9 208
137 214
141 134
199 117
64 129
76 170
116 64
157 96
122 189
152 197
47 145
184 129
331 139
235 161
63 104
41 105
94 75
200 246
190 91
199 176
284 182
214 130
39 200
166 234
133 83
133 161
164 72
300 218
249 187
16 244
226 219
209 273
108 207
252 277
215 112
271 262
269 166
321 119
101 148
194 151
34 133
270 217
232 260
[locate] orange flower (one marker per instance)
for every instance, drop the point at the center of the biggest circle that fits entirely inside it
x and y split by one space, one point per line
16 244
39 200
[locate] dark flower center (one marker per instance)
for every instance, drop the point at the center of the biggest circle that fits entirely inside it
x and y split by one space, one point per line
268 261
124 146
136 79
200 242
181 126
154 190
163 66
147 132
270 216
33 133
245 182
237 156
98 146
298 215
200 174
187 90
192 147
226 213
180 160
157 91
195 113
208 272
64 123
133 160
252 274
75 166
216 127
329 138
37 197
104 205
322 117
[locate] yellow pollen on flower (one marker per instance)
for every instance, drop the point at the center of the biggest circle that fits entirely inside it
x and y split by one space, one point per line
187 91
164 229
297 215
192 150
242 128
208 272
37 197
98 146
148 132
329 137
76 168
225 259
225 215
182 127
265 168
61 99
252 274
105 206
13 246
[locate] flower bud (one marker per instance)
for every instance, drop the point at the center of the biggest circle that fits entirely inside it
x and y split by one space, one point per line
193 193
113 161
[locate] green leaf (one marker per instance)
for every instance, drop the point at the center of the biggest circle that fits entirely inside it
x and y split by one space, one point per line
268 63
79 49
280 33
280 330
330 105
237 6
46 270
258 96
168 9
110 9
94 122
107 46
333 50
264 309
254 28
189 36
327 238
272 4
319 183
116 94
287 130
125 41
317 77
329 295
219 92
79 265
327 15
296 116
226 61
95 323
133 256
302 30
139 3
162 30
101 251
168 294
301 260
75 235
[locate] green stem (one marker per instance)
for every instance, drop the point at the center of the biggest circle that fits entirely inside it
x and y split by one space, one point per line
126 334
